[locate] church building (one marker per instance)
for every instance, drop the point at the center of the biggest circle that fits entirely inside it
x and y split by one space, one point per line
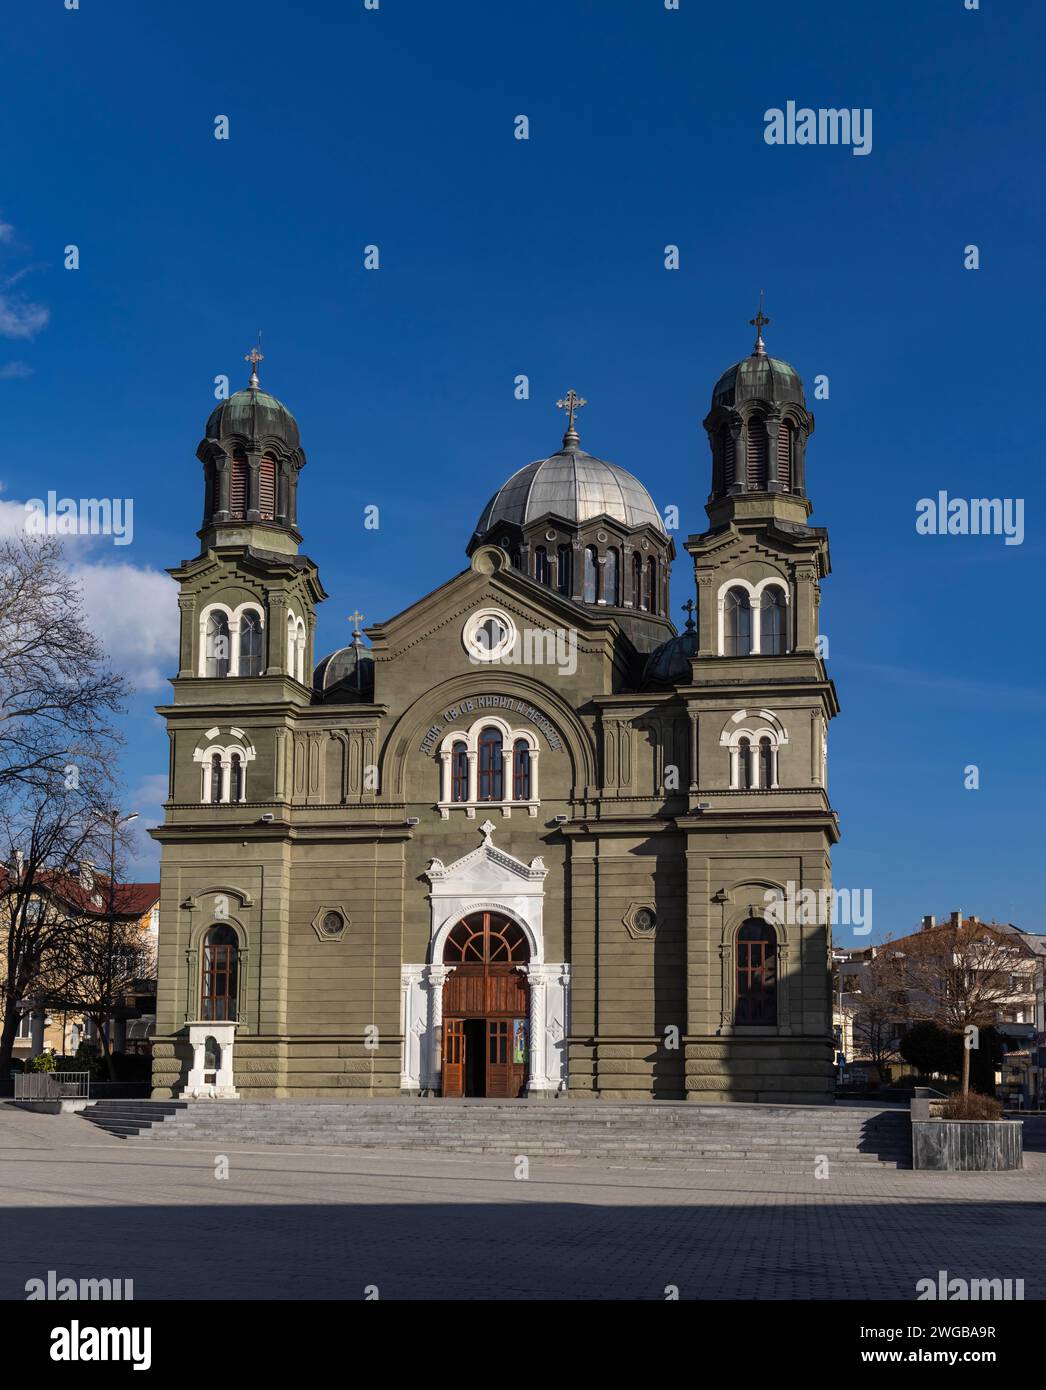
528 839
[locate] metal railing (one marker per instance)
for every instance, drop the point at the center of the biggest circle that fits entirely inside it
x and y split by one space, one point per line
53 1085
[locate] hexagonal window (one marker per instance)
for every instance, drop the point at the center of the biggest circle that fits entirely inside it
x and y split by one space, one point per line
330 923
640 921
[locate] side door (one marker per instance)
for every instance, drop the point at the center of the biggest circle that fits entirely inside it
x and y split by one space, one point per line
453 1056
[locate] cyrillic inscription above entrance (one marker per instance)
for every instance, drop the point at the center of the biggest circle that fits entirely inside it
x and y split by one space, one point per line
478 703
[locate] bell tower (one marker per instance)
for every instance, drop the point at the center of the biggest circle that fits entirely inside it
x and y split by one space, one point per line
760 825
248 599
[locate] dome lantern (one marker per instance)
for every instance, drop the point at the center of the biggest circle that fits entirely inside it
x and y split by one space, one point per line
251 454
758 426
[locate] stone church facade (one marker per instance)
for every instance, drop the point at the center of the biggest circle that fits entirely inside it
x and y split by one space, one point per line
528 841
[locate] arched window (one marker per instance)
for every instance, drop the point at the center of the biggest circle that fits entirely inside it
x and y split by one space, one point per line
756 1001
217 647
299 669
651 584
767 769
251 653
637 581
591 563
541 566
726 448
516 561
521 770
459 773
610 580
784 455
238 475
491 770
292 644
744 764
773 617
755 457
737 623
565 571
236 778
267 489
221 962
486 937
217 778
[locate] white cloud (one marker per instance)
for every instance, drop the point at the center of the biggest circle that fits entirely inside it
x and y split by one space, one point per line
6 231
21 319
133 611
15 371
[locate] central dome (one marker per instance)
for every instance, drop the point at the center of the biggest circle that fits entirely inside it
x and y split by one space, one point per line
575 486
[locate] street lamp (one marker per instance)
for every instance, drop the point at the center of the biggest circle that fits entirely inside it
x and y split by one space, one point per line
114 821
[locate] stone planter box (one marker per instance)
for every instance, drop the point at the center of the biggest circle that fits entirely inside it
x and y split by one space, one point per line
967 1146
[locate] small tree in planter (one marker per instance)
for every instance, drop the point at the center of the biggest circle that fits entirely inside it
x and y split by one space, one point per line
958 976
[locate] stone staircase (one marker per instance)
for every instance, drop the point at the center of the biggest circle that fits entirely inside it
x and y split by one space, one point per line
785 1138
127 1118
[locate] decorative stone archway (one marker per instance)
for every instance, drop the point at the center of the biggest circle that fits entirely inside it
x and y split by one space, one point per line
486 879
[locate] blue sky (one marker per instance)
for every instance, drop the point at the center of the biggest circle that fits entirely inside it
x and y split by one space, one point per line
545 257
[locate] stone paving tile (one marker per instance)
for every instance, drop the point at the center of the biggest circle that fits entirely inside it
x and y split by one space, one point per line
325 1223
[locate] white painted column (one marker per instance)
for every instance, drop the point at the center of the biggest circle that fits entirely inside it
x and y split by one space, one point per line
412 1006
38 1019
437 978
538 1082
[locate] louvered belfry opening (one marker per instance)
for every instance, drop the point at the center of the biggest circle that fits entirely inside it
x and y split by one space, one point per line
784 455
238 487
267 489
726 446
755 453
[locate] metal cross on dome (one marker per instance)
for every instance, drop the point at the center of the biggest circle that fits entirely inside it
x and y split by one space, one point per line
254 357
759 323
571 402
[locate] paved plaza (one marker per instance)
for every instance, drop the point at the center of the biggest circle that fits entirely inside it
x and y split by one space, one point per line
311 1223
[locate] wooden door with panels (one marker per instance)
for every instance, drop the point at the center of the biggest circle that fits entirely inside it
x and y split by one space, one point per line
486 950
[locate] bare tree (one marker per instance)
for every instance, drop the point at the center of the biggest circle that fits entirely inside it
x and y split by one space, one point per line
57 751
56 692
958 975
880 1007
44 836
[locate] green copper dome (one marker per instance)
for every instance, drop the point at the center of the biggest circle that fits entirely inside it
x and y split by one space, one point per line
759 378
253 414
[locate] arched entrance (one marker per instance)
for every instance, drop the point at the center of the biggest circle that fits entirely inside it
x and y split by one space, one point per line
485 1008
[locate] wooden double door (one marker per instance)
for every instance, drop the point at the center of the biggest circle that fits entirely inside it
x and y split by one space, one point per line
485 1042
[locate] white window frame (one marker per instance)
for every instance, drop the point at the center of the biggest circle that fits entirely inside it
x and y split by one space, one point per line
233 616
745 725
205 755
470 738
755 594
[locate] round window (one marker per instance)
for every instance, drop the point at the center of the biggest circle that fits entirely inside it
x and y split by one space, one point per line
489 635
644 920
332 923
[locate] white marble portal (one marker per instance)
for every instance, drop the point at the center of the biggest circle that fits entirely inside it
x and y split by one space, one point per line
485 880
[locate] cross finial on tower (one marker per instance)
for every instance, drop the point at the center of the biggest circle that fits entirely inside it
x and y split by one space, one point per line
356 619
688 609
759 323
254 357
571 403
